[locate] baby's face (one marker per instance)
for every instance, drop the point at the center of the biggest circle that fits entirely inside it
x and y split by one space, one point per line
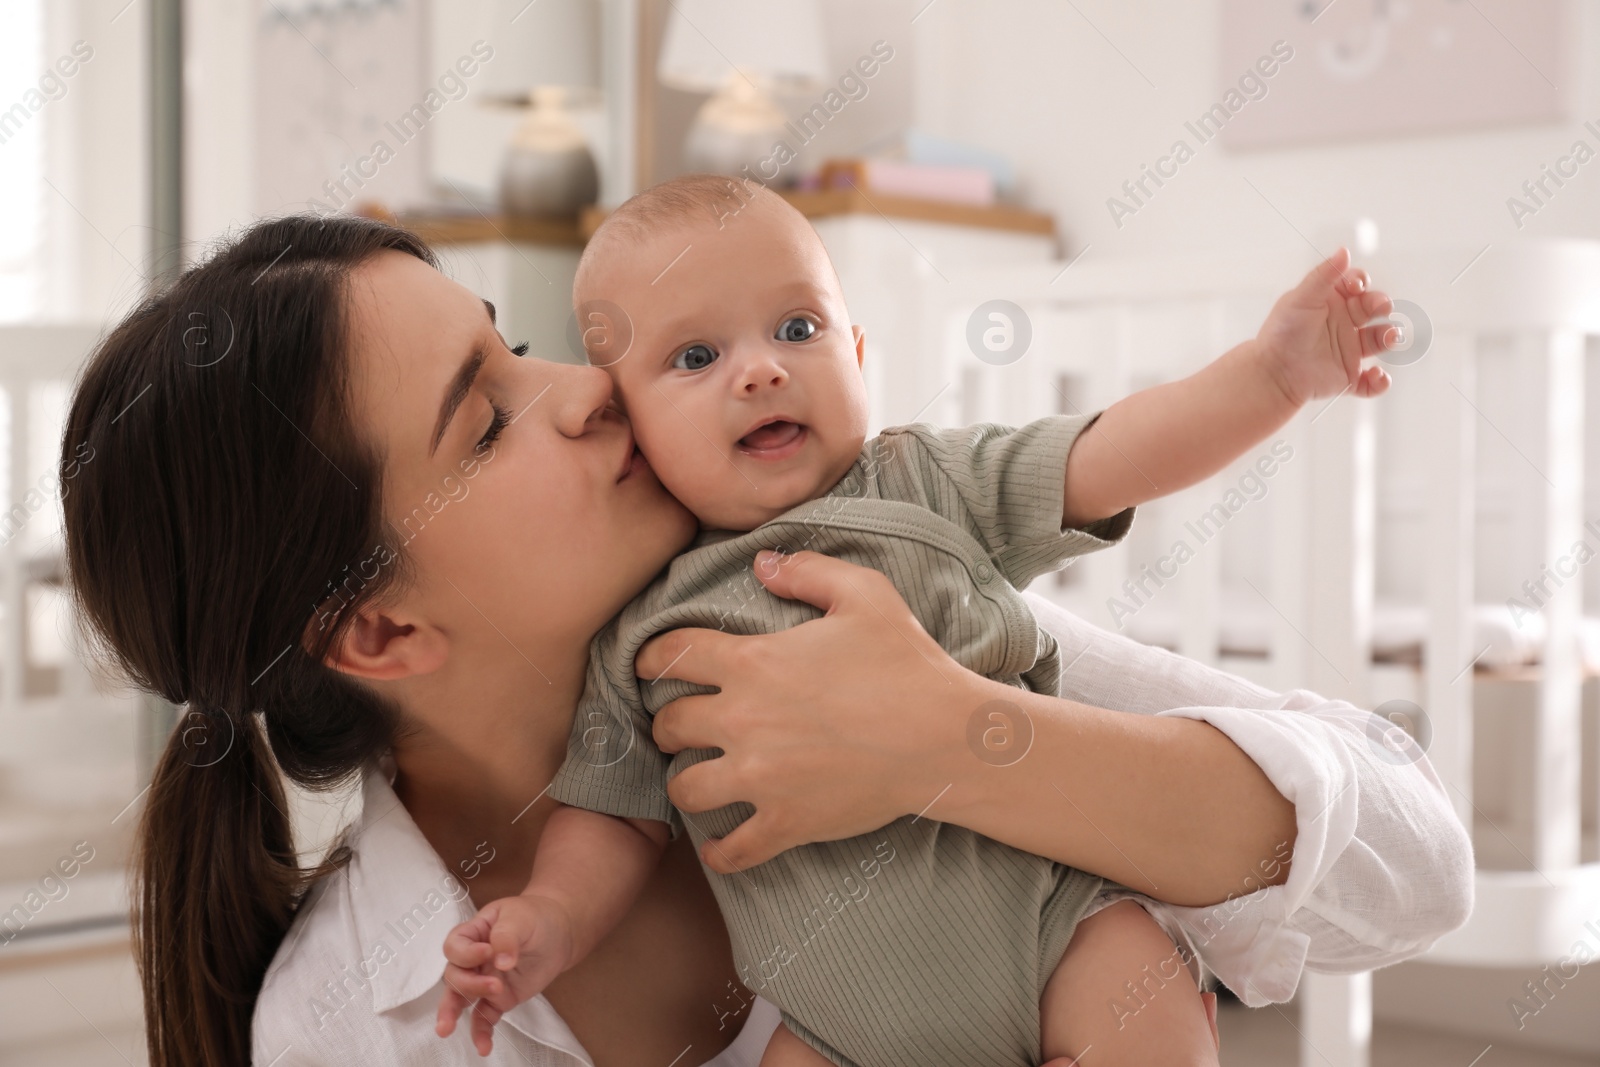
743 376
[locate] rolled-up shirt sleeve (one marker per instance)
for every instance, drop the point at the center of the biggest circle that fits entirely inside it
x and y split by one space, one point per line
1380 867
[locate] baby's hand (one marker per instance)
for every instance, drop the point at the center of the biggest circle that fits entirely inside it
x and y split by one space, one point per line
1316 335
508 953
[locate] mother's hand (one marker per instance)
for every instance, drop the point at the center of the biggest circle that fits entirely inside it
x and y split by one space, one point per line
830 729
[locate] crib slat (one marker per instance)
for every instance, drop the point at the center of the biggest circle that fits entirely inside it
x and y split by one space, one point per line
1337 627
1451 366
1335 1019
1290 501
1338 621
1557 798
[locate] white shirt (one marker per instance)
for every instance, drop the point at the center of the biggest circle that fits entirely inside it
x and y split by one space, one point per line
1381 869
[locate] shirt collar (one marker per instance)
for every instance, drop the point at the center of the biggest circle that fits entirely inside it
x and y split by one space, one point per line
404 901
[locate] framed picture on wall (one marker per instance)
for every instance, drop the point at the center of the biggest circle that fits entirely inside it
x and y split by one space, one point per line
1363 68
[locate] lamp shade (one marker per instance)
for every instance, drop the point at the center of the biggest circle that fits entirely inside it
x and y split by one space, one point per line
545 44
707 40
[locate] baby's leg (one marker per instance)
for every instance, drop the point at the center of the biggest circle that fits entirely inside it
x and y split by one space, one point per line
786 1050
1121 996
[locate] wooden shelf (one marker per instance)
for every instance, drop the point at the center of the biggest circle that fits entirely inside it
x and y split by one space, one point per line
827 203
460 229
454 229
821 203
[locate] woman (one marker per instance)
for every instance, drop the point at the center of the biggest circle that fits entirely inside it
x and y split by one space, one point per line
367 540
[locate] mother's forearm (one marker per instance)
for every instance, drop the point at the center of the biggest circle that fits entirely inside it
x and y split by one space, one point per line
1167 806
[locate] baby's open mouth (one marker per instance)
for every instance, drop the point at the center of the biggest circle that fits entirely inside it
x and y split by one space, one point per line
778 436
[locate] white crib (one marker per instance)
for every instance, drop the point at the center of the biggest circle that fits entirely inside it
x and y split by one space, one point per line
1281 583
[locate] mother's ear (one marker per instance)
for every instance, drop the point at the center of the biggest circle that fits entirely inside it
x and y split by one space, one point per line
381 645
861 344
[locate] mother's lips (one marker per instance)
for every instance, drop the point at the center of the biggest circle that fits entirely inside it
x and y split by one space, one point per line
631 459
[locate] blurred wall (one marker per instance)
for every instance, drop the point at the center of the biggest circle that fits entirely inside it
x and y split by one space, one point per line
1062 89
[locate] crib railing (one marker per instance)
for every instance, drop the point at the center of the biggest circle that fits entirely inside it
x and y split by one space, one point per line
1101 328
1544 297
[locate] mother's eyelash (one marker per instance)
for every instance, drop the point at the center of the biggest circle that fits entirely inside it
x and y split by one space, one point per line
501 419
520 348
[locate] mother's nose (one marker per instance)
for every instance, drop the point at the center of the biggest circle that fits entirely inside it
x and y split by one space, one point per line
578 397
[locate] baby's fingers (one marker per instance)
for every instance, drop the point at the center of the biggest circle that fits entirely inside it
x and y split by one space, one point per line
473 985
462 988
451 1005
484 1016
1329 274
1354 282
505 943
1372 304
1379 338
1374 381
467 945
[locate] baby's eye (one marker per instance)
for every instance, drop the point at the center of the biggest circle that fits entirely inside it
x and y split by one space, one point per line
797 329
695 357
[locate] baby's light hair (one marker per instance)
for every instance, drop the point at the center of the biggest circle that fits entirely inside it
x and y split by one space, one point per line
709 200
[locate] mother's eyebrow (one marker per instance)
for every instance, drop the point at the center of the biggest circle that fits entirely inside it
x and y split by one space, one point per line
459 387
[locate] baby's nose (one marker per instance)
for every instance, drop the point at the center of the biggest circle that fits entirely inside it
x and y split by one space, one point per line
751 385
763 373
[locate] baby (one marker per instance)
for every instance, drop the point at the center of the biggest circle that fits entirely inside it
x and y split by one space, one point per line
733 354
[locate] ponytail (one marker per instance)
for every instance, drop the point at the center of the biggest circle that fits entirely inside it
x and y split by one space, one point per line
217 883
208 550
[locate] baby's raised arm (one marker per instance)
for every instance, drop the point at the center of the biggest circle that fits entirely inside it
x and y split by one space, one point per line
1171 436
586 874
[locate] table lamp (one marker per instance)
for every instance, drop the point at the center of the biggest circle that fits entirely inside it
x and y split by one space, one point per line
743 54
546 59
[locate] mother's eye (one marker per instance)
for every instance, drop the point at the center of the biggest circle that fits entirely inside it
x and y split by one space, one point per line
797 329
499 420
695 357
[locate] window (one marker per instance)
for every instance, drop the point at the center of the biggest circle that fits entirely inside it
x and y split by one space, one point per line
21 156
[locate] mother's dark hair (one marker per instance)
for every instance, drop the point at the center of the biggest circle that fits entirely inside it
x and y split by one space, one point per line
229 519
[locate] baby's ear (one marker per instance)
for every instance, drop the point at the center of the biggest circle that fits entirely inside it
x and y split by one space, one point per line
861 344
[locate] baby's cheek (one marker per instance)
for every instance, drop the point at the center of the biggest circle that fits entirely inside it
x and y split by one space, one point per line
682 459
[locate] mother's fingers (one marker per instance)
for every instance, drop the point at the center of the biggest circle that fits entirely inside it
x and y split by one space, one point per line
705 785
752 842
690 722
819 580
689 655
